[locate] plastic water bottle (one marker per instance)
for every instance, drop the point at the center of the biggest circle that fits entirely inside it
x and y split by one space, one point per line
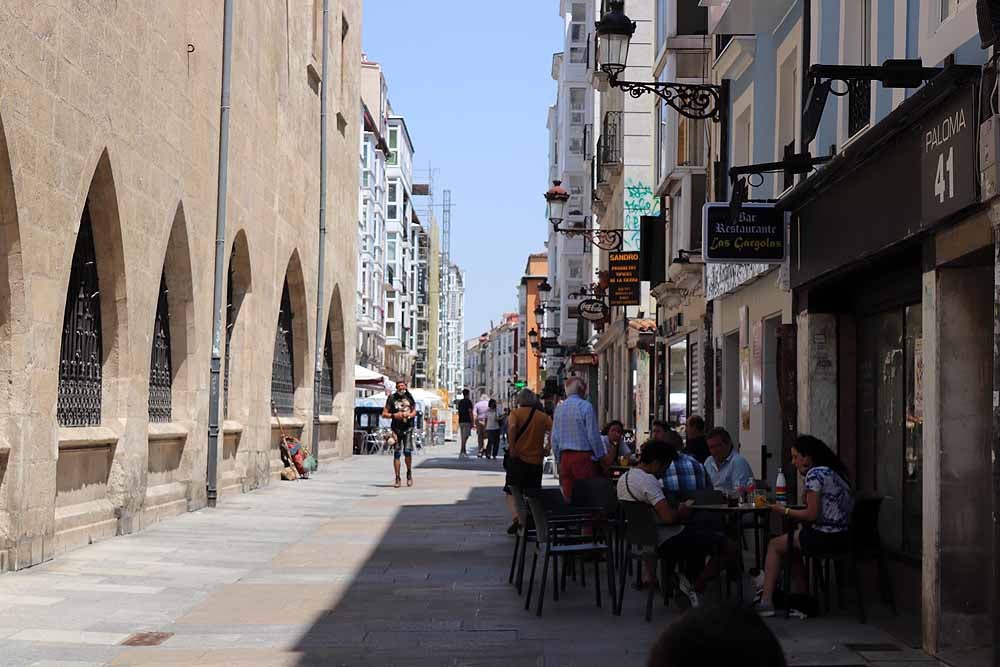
780 488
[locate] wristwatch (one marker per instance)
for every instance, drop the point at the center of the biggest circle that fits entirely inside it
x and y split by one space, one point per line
787 510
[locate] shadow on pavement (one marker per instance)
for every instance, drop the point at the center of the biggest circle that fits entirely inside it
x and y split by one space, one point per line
433 592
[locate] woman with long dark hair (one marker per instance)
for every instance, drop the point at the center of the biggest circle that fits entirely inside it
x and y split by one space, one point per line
824 522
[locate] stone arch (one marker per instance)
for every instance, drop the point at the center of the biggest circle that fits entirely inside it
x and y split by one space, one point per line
239 283
15 393
301 351
101 207
179 278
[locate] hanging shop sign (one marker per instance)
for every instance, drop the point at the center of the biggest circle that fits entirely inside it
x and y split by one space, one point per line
948 157
583 360
593 310
624 281
757 236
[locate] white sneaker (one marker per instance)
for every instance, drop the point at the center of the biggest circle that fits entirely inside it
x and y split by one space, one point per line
692 595
765 609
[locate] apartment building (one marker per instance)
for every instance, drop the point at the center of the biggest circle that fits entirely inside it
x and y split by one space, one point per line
401 234
533 305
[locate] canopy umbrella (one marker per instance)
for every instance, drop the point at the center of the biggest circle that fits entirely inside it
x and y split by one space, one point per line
365 377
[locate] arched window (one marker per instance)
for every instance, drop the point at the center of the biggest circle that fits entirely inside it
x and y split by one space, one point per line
160 370
230 322
282 369
326 386
81 355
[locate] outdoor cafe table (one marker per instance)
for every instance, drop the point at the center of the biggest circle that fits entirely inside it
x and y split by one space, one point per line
734 519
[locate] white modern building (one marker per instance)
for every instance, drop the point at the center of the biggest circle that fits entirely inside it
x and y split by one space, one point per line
571 131
400 348
451 356
371 283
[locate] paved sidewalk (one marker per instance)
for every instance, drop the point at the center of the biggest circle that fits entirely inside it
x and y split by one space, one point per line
342 569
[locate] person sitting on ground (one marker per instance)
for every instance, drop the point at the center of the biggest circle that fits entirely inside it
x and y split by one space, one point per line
726 467
695 442
677 540
722 636
527 428
684 473
829 503
613 435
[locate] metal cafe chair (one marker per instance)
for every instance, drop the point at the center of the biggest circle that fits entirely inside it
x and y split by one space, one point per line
640 544
560 534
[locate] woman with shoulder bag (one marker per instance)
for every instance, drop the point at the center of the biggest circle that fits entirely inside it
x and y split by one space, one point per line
527 427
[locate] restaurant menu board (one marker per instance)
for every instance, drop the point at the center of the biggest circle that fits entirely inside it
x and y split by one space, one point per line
624 284
756 236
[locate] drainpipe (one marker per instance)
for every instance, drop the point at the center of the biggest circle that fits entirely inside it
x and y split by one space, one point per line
995 454
320 325
220 256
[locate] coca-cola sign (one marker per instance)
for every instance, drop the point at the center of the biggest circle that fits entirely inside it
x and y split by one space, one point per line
593 310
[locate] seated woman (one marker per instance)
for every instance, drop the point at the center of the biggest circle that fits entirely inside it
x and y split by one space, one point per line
614 439
829 502
677 540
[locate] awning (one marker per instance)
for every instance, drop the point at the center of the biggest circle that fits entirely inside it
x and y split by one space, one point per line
365 377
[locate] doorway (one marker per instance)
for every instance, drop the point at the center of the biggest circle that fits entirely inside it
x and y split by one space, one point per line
731 384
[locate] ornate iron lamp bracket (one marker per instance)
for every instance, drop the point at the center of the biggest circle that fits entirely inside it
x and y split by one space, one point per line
605 239
697 101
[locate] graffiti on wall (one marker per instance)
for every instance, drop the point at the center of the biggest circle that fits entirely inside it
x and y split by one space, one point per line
639 201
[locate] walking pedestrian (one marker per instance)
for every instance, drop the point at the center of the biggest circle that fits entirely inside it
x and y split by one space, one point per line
492 430
479 414
401 409
576 443
464 422
722 636
527 427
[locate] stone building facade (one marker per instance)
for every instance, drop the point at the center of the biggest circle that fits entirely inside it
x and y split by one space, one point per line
109 139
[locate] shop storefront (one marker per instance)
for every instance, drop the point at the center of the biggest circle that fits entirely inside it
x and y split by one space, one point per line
891 269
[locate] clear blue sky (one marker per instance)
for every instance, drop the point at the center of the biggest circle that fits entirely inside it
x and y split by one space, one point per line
475 91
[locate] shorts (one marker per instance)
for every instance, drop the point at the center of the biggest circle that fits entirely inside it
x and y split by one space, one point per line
521 474
404 443
692 541
820 542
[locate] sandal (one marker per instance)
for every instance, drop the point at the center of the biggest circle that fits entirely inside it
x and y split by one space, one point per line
409 478
398 480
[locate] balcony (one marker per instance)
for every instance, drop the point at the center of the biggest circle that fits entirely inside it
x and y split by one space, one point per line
613 134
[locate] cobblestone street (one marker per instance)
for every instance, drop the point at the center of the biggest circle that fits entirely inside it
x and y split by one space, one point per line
342 569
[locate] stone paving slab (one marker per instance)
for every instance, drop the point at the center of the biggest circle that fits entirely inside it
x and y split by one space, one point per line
344 569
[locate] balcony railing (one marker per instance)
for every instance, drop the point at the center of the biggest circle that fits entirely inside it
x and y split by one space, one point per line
613 135
588 141
600 173
859 106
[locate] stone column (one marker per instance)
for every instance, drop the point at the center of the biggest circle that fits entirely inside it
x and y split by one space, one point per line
817 367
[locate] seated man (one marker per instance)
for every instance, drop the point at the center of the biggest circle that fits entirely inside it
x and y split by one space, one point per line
678 541
684 473
725 467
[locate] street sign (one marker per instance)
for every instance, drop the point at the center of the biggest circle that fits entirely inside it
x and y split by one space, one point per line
757 237
593 310
624 283
948 157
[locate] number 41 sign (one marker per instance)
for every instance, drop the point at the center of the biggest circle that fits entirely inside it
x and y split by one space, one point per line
948 157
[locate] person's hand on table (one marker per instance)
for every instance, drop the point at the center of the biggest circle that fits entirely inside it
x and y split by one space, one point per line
684 510
778 508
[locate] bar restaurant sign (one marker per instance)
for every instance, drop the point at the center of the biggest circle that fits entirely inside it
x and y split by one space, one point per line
757 236
624 282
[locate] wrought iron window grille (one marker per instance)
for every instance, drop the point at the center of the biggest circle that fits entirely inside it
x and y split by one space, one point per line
326 387
282 367
160 369
230 322
81 353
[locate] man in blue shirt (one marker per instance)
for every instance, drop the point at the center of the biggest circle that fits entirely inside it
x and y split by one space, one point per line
685 473
726 467
577 445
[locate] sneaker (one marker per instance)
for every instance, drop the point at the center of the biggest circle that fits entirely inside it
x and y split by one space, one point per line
765 609
689 592
512 529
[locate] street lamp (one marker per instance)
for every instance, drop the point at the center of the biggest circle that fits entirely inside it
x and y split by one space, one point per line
614 34
557 196
606 239
533 338
544 286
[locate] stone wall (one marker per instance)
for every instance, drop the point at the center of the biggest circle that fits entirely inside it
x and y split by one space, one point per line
115 104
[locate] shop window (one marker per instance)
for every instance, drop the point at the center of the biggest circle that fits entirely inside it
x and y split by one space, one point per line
677 410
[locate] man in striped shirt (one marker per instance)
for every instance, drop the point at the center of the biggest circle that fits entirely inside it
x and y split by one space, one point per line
577 445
